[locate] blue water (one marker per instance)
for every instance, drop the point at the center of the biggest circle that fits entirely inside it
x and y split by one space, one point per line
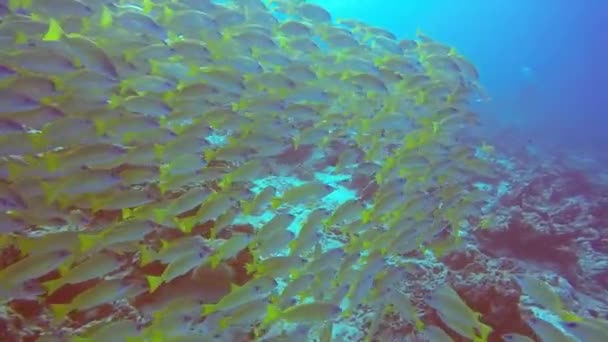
543 62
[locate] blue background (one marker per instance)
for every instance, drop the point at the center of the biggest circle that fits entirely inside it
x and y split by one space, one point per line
544 62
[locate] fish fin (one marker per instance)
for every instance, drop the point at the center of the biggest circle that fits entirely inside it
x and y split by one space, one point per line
148 6
247 207
154 282
250 268
85 25
127 213
100 127
50 192
114 101
39 141
52 285
146 256
293 245
24 245
568 316
484 331
366 215
226 182
186 224
209 155
21 38
60 311
213 233
224 323
295 274
164 244
105 20
208 309
160 215
97 204
159 151
273 312
419 324
80 339
14 4
87 241
55 31
215 260
168 14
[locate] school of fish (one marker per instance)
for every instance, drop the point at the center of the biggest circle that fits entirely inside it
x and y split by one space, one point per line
127 125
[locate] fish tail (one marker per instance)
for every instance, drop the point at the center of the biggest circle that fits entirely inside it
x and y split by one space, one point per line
276 202
366 216
127 213
148 6
568 316
154 282
250 268
224 323
105 20
14 170
484 331
21 38
209 155
114 101
213 232
208 309
25 245
419 324
295 274
97 204
273 312
186 224
80 339
52 285
52 162
168 13
160 215
60 311
293 245
85 25
87 241
215 260
146 256
55 32
226 182
15 4
39 141
159 151
247 207
100 127
128 137
50 192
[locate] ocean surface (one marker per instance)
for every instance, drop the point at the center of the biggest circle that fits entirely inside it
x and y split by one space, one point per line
291 170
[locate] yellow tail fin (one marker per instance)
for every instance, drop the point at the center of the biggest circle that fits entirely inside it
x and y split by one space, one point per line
208 309
154 282
106 17
60 311
55 31
87 241
52 285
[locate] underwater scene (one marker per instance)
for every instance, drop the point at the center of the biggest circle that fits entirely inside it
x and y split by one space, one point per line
291 170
